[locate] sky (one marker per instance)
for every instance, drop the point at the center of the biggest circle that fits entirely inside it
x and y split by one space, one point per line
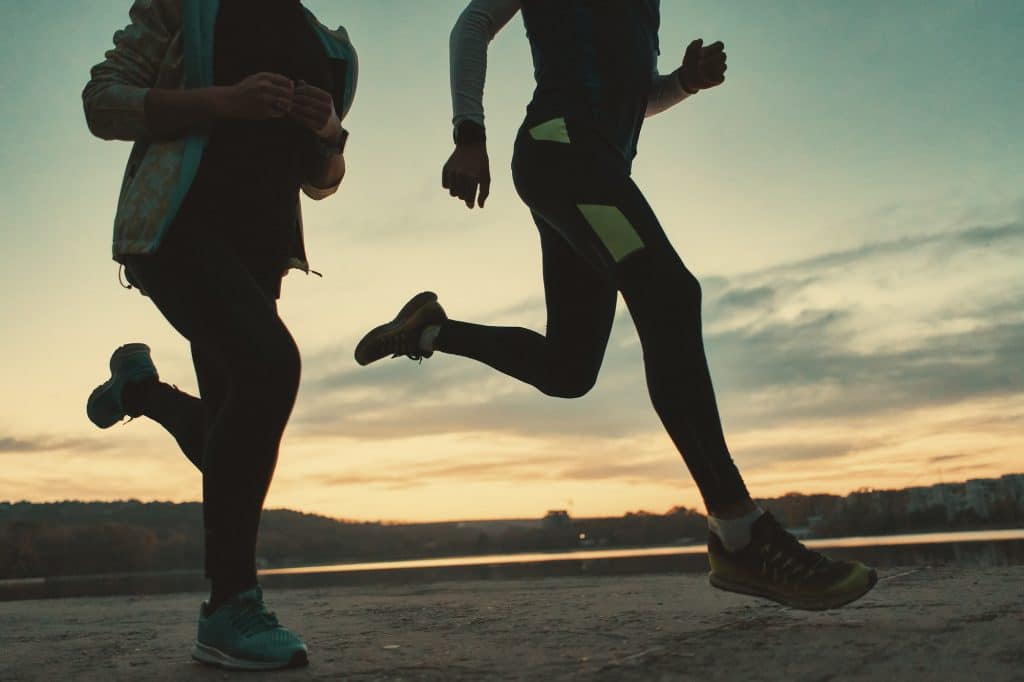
852 199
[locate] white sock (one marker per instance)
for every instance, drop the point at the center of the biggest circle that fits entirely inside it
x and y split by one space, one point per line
428 336
734 533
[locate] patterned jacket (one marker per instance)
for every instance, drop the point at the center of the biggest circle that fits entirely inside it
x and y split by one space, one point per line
169 44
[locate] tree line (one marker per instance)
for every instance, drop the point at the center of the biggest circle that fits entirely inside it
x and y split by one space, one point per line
75 538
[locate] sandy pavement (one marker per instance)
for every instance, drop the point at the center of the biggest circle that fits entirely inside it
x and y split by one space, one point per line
919 623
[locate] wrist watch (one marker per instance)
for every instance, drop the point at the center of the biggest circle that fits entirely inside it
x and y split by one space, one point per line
469 132
329 148
682 83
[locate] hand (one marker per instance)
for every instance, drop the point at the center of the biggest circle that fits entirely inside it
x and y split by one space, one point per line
314 109
467 168
260 96
703 67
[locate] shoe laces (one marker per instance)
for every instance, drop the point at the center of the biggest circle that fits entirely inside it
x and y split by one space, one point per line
252 618
402 343
783 555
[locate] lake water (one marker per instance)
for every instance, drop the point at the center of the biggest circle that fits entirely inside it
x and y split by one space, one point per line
640 552
967 549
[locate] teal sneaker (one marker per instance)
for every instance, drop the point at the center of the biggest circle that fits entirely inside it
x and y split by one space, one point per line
129 364
243 635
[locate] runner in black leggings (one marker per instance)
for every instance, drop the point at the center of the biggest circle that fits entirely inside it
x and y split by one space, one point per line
594 62
582 278
247 366
249 92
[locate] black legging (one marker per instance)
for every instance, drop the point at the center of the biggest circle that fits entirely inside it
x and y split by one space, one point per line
248 369
599 236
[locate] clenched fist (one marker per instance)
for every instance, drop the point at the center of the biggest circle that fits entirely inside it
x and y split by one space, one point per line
314 109
260 96
703 67
467 171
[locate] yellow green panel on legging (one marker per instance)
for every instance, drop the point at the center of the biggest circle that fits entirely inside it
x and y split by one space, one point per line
551 131
615 231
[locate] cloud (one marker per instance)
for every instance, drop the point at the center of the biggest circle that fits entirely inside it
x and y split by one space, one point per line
938 459
17 445
798 452
777 350
745 298
504 468
657 468
1011 233
21 445
870 332
791 359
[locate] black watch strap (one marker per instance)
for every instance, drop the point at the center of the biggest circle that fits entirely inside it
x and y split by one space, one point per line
333 147
470 132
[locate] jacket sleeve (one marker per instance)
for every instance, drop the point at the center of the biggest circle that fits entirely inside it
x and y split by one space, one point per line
115 96
473 31
351 72
342 103
317 193
666 92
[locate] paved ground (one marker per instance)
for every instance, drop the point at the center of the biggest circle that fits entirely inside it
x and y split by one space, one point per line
925 624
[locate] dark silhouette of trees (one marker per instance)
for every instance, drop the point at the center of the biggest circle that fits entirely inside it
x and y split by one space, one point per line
72 538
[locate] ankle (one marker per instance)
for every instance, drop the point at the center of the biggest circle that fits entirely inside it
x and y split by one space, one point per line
735 533
428 338
134 396
221 594
734 510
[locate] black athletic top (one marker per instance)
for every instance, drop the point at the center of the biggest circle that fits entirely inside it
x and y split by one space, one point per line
594 61
247 186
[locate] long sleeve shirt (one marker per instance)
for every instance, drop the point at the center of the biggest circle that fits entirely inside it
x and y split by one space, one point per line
483 19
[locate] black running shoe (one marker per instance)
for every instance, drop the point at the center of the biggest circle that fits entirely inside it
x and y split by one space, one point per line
777 566
401 336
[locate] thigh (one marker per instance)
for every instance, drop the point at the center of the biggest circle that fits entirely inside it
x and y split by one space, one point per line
583 190
580 300
212 300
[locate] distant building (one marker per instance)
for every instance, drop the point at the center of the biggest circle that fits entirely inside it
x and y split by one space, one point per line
869 499
979 493
1012 486
949 496
557 518
919 499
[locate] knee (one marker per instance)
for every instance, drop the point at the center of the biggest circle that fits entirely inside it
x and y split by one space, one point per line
288 365
690 289
683 287
652 272
278 365
569 383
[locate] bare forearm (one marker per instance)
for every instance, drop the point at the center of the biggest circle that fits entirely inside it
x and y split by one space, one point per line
329 172
171 112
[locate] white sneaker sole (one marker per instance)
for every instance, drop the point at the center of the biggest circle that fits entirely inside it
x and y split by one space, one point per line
215 657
